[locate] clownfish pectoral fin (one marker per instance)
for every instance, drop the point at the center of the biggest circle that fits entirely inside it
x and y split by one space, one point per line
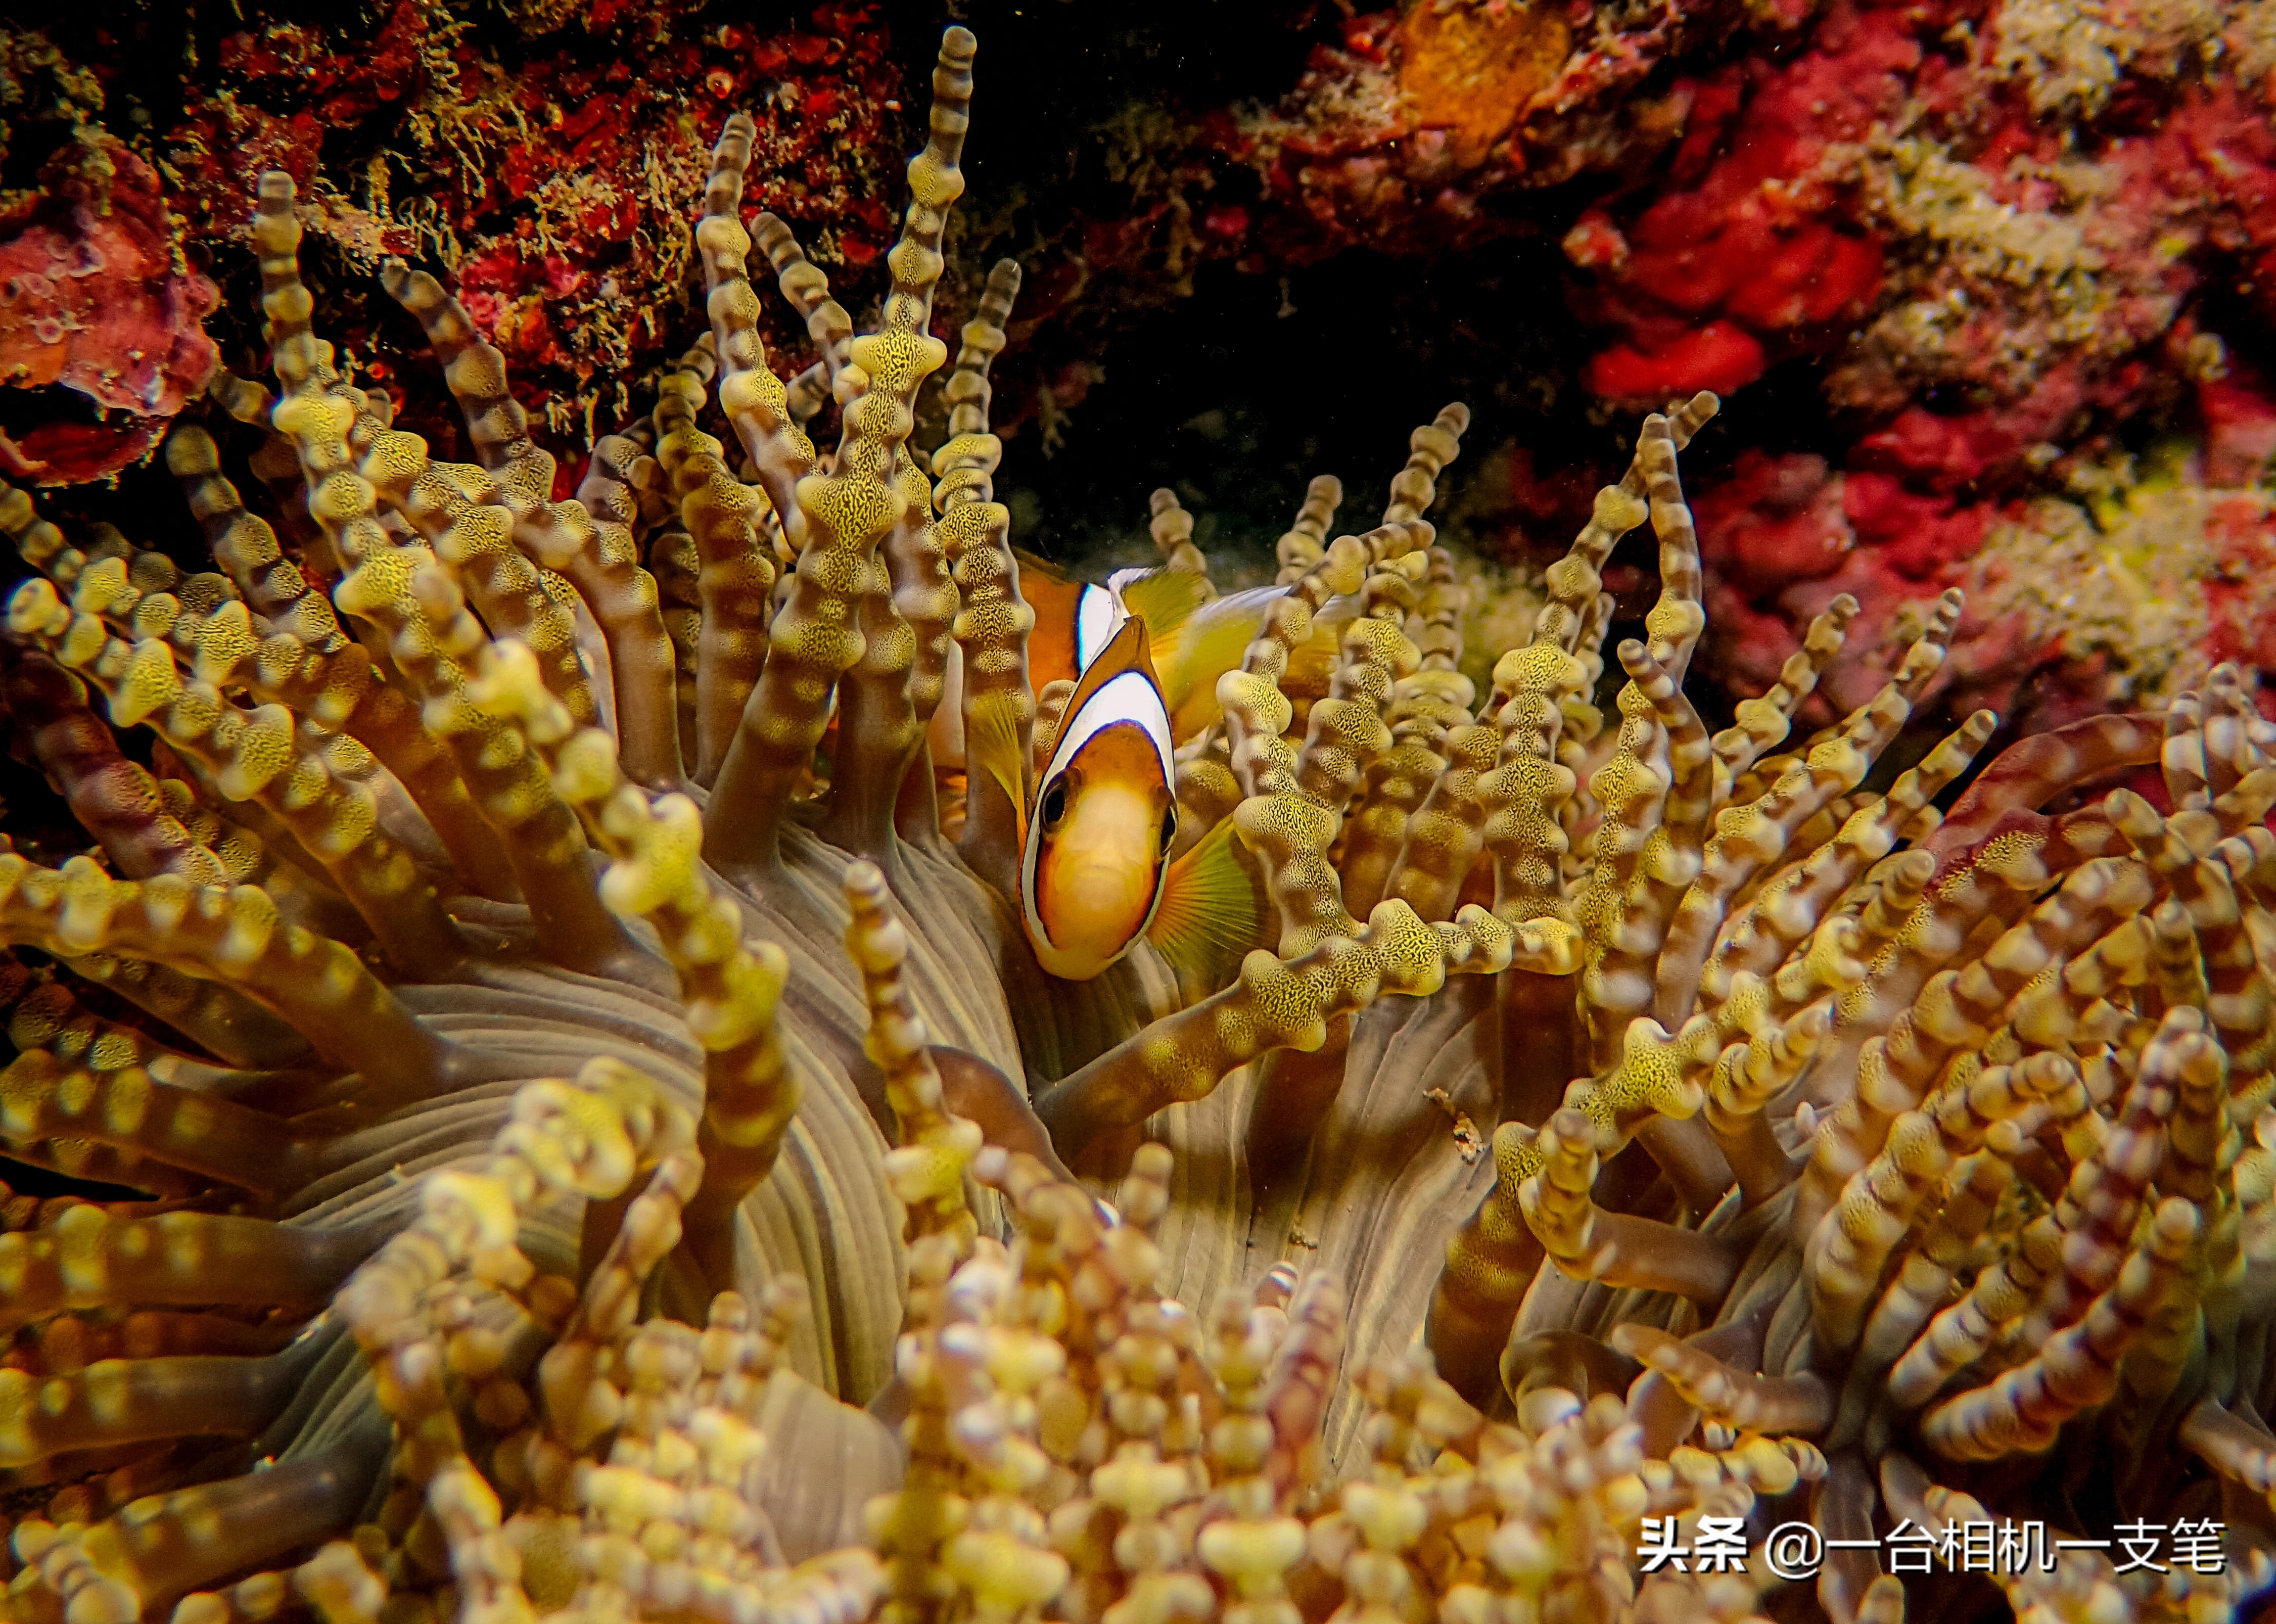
1213 906
992 746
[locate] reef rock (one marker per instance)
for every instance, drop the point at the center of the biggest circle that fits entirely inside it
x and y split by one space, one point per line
95 297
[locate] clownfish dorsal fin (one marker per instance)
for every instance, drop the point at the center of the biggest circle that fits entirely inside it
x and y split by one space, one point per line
1212 907
991 745
1126 650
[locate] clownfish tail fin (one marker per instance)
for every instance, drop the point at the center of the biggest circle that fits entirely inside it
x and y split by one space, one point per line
1164 599
1207 642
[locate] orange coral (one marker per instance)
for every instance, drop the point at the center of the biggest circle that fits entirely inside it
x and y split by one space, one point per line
1470 67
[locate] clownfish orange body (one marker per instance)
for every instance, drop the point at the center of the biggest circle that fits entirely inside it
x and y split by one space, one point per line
1074 622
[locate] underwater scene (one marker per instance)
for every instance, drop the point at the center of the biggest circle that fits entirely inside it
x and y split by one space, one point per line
1067 812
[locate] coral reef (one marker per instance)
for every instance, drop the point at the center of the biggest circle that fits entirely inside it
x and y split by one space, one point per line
2010 246
2124 598
98 300
1999 230
594 1138
1413 127
544 164
2007 245
2013 205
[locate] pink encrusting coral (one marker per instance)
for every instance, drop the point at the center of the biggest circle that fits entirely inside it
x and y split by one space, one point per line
95 297
2078 601
1906 201
2011 197
1991 226
2034 284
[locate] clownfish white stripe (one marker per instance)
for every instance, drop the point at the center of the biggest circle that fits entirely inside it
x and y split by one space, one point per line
1129 697
1098 615
1193 639
1076 934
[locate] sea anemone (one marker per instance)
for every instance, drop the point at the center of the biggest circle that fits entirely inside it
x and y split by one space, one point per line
504 957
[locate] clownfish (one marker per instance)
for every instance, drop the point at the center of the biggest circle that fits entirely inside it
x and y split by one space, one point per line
1192 639
1095 836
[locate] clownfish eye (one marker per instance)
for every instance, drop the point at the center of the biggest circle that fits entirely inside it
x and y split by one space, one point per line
1054 807
1169 828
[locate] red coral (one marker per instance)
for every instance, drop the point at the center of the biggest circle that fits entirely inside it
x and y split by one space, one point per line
1774 520
1918 535
60 452
2244 530
1765 223
2240 419
1555 499
96 298
554 173
1783 535
1948 454
1749 257
1717 355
